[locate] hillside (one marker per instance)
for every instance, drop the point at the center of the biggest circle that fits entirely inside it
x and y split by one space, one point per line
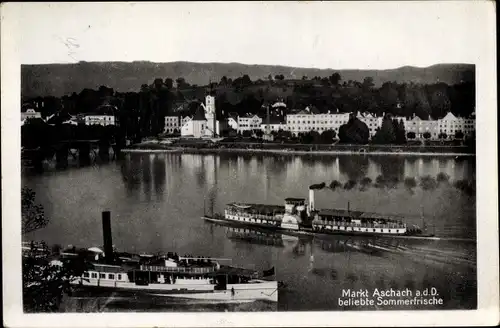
62 79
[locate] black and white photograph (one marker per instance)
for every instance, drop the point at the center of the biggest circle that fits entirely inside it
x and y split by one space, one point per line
195 157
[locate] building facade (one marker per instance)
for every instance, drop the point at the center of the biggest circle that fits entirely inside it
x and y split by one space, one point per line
232 122
451 124
420 127
99 119
305 121
194 127
249 123
171 124
30 113
213 126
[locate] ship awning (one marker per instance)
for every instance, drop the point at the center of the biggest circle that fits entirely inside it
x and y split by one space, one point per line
339 213
234 271
258 208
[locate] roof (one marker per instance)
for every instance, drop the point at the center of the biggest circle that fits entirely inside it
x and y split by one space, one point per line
273 120
279 104
200 114
312 109
259 208
449 116
292 199
377 216
235 271
336 212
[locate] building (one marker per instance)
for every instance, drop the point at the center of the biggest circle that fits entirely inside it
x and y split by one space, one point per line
307 120
249 122
232 121
451 124
104 115
99 119
213 126
30 113
186 119
204 123
421 127
194 127
171 124
372 121
275 124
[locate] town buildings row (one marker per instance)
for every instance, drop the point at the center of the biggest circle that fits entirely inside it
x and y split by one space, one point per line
205 124
310 119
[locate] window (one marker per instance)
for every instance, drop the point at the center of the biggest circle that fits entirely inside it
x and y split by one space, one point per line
94 275
102 276
86 274
111 276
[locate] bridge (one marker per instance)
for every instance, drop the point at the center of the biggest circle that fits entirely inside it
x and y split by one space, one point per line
84 151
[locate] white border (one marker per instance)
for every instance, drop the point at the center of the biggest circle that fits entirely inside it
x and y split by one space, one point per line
487 214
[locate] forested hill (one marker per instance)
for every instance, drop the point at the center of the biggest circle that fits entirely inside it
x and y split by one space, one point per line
64 79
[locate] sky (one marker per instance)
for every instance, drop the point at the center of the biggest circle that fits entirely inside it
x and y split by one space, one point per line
339 35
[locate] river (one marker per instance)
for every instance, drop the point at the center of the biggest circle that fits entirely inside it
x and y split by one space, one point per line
156 201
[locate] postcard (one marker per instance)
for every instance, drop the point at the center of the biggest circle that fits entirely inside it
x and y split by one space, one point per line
249 164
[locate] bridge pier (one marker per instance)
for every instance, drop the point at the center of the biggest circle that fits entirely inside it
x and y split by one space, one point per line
37 161
84 154
62 157
104 150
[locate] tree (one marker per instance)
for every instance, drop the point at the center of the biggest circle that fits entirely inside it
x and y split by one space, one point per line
223 81
246 134
386 133
368 82
258 133
442 135
32 214
459 135
280 77
399 131
328 136
354 131
335 78
181 83
427 135
411 135
44 283
169 83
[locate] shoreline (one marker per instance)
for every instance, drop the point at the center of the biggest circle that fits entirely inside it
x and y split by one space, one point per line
189 150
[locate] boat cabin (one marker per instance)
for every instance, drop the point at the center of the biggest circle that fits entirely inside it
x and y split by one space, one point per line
255 213
356 221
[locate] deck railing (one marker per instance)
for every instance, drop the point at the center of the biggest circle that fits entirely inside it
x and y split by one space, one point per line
156 268
360 225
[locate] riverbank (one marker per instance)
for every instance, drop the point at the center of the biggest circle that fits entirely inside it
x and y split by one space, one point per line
306 150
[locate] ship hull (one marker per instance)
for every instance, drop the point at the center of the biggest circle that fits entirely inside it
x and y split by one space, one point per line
311 232
267 290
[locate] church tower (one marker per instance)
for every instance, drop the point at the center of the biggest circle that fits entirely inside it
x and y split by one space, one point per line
210 115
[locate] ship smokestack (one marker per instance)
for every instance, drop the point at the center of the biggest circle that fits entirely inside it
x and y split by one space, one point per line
107 237
311 200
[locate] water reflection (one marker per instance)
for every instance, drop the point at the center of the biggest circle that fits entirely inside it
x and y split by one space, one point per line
156 203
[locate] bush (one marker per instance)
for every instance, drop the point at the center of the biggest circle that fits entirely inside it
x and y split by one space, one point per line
442 177
428 183
335 184
410 182
365 182
380 182
349 185
469 187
